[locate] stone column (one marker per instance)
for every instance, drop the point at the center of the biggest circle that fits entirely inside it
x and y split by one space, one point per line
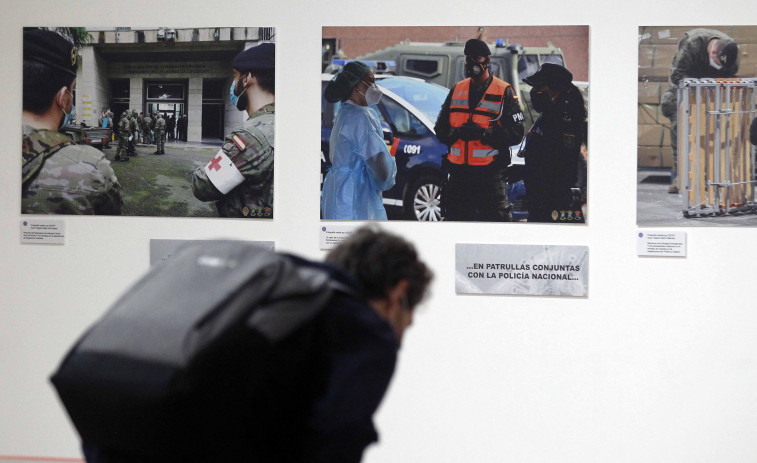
194 109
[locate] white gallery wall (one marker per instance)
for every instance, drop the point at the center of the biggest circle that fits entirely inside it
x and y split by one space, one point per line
657 364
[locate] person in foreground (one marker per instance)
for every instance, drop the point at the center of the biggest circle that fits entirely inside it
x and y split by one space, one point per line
361 165
316 390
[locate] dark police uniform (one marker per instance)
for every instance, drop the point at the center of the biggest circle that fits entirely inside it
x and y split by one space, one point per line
552 150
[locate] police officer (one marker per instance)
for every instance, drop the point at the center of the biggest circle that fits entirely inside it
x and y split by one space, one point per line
701 53
160 134
479 121
553 147
58 176
239 178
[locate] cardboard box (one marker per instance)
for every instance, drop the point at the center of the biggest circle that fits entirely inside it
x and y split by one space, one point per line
650 92
653 156
650 114
649 157
653 135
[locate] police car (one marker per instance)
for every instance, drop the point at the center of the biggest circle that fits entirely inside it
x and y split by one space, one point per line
407 111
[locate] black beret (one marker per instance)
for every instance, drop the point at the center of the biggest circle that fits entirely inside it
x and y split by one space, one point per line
550 74
476 47
50 48
728 53
259 57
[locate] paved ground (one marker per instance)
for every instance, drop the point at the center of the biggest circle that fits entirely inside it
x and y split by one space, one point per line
162 185
656 207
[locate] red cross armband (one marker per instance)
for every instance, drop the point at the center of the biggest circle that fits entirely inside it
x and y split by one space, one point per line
223 173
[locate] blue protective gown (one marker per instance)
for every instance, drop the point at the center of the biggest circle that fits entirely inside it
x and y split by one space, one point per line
361 167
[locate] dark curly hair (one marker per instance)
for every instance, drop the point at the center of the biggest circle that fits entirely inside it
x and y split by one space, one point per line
379 260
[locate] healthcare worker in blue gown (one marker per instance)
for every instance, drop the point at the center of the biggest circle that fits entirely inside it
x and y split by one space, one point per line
361 164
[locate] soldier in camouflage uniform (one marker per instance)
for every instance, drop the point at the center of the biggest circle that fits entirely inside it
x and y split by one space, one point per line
147 128
239 178
160 135
134 132
58 176
123 137
701 53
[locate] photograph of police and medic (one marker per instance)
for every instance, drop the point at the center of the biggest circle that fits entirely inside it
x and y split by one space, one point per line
696 126
148 122
476 124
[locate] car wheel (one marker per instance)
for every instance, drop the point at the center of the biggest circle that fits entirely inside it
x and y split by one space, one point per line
422 200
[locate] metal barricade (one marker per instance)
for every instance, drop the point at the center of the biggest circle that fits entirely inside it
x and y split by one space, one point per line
716 161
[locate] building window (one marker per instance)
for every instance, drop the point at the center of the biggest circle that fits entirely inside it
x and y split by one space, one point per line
165 92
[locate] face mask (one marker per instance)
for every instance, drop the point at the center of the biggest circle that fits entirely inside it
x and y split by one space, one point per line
373 94
70 115
240 101
475 69
714 64
540 100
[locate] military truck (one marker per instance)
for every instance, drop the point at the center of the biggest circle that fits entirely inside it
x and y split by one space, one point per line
443 64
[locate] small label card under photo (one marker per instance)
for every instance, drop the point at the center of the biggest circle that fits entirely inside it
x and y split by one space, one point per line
661 243
43 231
533 270
332 235
162 250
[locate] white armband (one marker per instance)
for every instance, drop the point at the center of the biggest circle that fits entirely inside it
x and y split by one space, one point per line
223 173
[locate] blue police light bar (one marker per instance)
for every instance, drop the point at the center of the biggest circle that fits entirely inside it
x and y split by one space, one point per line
500 43
375 65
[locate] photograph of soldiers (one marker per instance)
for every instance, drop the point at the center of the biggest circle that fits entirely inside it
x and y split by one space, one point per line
58 176
239 178
145 77
453 113
716 62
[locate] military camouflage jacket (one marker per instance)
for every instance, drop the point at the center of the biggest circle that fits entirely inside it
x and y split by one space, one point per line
59 177
692 59
247 154
160 124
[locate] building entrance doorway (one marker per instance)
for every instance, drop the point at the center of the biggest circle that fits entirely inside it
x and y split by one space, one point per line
168 98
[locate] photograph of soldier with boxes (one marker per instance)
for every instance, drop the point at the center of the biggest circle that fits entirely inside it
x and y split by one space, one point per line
696 130
474 124
148 122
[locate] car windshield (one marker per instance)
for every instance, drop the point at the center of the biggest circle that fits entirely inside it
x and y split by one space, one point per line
426 97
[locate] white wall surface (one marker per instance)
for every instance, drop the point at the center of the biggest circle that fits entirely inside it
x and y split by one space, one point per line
658 364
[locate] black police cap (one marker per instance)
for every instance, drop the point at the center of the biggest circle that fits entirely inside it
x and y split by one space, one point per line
550 74
476 47
259 57
50 48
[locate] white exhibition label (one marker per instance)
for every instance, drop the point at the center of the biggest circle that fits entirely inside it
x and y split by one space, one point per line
162 250
332 235
661 243
534 270
43 231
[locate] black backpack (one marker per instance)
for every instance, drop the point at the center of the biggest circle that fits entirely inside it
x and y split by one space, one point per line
168 370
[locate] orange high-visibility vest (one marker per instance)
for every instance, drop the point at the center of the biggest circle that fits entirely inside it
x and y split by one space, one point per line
488 111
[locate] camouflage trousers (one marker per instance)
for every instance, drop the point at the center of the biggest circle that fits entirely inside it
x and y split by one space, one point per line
123 146
160 141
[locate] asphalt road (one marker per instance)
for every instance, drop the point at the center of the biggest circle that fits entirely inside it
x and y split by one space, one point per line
162 185
656 207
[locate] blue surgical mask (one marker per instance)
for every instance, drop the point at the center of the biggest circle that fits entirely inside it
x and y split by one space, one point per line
234 98
70 115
